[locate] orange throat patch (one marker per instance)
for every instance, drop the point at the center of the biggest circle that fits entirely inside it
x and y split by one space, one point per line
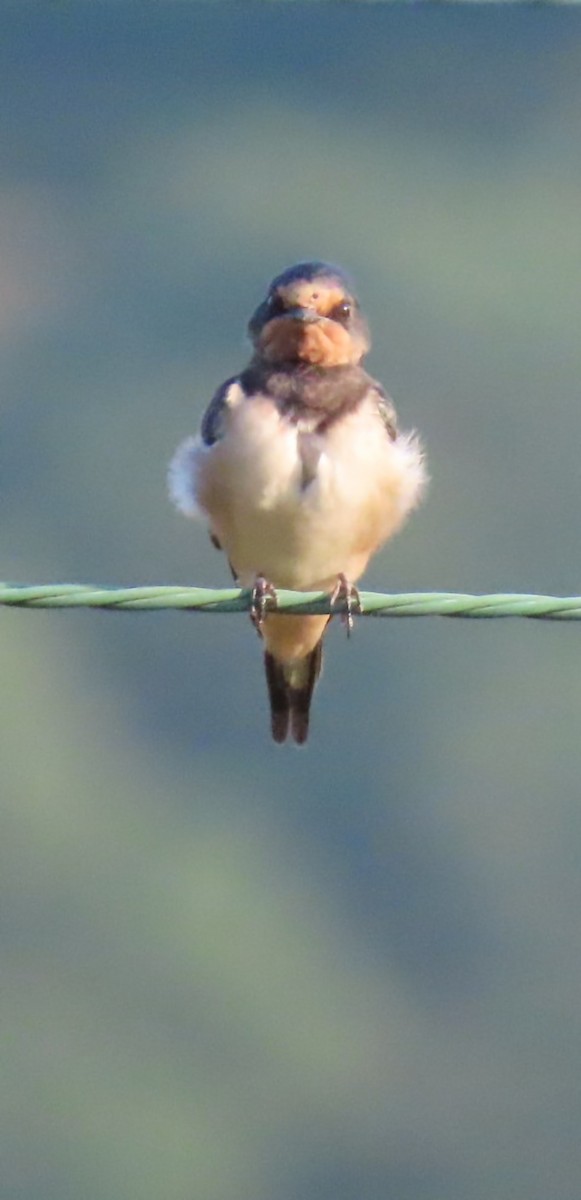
323 343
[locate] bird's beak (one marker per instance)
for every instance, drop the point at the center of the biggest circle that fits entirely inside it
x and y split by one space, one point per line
307 316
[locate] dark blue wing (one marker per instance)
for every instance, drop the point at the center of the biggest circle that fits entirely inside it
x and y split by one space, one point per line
213 420
387 413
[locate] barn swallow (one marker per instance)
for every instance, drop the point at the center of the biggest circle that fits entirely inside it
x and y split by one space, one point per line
300 471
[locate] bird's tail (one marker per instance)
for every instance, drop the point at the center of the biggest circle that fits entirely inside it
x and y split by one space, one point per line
290 690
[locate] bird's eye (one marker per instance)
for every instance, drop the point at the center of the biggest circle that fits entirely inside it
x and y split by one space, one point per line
342 311
274 305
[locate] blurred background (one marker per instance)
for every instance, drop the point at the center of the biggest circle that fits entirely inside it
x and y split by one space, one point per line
234 971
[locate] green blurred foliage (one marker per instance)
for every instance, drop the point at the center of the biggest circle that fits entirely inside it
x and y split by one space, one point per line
229 970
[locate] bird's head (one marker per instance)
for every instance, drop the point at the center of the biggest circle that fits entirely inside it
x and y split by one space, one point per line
310 315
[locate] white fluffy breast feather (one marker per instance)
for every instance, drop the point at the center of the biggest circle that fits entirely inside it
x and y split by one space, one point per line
298 507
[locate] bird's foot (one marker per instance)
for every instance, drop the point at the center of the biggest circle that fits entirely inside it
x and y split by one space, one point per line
262 599
346 593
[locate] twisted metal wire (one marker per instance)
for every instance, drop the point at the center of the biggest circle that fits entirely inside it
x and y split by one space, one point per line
229 600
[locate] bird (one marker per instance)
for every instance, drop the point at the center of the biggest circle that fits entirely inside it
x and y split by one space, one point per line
301 473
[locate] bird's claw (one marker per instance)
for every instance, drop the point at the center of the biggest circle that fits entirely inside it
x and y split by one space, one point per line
263 597
349 596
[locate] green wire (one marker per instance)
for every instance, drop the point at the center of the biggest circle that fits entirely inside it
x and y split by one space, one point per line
228 600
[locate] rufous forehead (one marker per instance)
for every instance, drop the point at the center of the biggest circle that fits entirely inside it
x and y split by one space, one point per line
320 294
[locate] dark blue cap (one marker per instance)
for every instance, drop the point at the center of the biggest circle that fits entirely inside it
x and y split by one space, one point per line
309 271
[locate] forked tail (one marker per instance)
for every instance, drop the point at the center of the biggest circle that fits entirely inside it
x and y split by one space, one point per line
290 691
